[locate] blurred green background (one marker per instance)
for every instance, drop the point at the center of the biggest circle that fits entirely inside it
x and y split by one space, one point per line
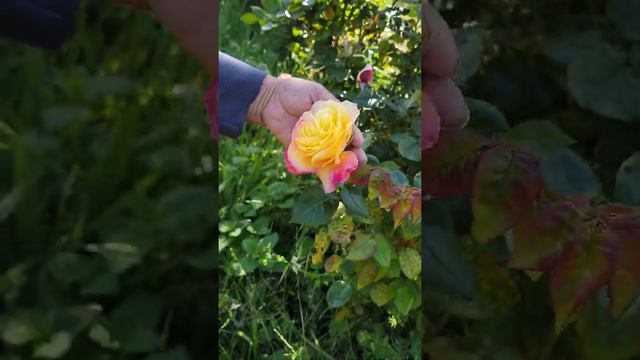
107 196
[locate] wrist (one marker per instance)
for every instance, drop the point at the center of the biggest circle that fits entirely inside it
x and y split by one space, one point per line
268 91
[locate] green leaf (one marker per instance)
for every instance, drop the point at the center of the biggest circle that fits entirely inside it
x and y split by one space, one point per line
103 284
445 269
18 332
485 117
268 242
380 294
448 168
366 275
120 256
59 117
69 267
410 263
571 45
353 200
132 323
604 84
362 248
506 186
471 50
625 15
408 146
383 250
404 299
101 336
540 238
338 294
56 347
541 132
627 188
579 274
100 86
250 18
567 174
313 207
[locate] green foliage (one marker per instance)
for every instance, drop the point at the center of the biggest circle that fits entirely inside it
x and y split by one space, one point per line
522 202
343 294
106 196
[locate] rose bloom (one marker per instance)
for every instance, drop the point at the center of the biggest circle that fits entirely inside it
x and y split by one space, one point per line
319 140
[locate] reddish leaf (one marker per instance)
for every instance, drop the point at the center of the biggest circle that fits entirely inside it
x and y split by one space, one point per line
619 216
580 202
360 177
449 167
400 210
540 238
581 271
416 213
389 197
506 186
381 186
624 227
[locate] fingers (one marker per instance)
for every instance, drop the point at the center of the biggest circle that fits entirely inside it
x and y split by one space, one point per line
430 123
357 140
440 54
447 101
282 129
360 154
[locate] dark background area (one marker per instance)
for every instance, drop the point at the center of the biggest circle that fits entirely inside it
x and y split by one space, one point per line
107 195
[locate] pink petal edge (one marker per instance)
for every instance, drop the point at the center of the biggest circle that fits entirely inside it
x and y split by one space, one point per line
335 174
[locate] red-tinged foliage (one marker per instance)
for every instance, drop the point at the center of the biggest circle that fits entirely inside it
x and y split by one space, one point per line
582 270
360 177
506 186
409 203
449 167
583 247
416 213
402 200
581 203
540 239
624 228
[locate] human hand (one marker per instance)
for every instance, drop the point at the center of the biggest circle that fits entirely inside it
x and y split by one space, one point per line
291 99
442 102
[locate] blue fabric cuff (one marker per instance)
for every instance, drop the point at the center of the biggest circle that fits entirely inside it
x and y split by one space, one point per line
43 23
238 86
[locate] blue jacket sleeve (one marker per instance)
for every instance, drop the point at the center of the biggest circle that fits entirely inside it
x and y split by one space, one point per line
42 23
238 86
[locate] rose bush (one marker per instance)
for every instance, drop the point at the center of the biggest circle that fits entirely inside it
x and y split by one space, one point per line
334 272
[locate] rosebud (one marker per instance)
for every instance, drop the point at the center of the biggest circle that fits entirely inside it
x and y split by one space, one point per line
365 76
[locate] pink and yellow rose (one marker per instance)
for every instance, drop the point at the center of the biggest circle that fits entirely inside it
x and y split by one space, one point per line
319 140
